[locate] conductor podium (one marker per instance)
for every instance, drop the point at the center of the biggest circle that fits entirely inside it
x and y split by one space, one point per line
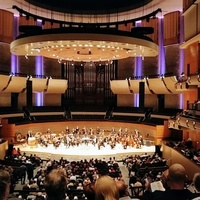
31 141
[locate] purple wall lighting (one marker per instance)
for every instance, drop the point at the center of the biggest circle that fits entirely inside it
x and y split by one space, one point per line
138 73
14 58
39 97
138 69
161 54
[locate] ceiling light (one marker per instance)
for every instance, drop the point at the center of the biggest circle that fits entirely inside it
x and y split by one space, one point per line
106 44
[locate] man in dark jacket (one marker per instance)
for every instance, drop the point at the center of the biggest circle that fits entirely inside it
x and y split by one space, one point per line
176 181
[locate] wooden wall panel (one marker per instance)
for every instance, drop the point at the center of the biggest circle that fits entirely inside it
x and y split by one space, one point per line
9 130
49 25
152 23
24 21
190 96
6 26
190 23
3 149
198 17
125 27
192 58
194 136
187 4
171 28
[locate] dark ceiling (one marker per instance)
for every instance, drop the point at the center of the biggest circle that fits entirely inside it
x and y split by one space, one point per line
89 6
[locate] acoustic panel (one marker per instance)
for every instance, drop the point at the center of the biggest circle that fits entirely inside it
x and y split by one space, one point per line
57 86
120 87
134 85
170 84
4 81
194 80
158 86
16 85
39 85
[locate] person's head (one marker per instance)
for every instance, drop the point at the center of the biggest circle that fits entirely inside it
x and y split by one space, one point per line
122 188
176 176
4 184
55 184
106 188
89 190
196 181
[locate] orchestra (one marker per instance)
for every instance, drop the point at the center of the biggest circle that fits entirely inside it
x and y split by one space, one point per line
101 138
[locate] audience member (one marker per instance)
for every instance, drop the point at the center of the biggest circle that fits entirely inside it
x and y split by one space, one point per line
89 190
106 188
123 190
4 184
176 181
23 170
196 181
55 184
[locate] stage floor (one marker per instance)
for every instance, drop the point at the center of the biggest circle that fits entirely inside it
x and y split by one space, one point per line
83 151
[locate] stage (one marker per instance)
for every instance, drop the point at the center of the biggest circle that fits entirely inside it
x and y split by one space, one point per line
84 151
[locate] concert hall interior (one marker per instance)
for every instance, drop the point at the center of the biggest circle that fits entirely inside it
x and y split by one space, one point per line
101 79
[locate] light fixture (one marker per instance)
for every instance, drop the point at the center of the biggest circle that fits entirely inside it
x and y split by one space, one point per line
193 124
81 44
187 122
85 42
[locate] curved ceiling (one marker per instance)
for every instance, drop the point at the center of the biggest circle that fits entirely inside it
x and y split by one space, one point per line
90 6
83 45
166 6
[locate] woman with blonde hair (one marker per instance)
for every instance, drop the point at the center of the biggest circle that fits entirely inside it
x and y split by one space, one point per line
106 189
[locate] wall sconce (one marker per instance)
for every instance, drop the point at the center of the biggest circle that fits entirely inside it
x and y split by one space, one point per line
187 123
198 78
188 79
193 124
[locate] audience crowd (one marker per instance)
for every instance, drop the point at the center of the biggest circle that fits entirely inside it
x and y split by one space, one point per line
93 179
100 179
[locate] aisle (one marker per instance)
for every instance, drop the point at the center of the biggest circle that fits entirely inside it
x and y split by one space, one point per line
124 172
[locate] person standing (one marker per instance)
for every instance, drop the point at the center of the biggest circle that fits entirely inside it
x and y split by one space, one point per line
23 170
